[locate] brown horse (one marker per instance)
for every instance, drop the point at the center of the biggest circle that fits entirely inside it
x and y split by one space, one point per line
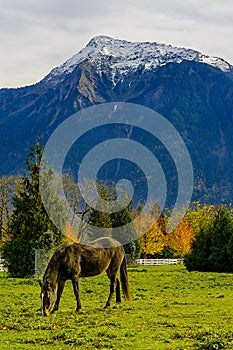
74 260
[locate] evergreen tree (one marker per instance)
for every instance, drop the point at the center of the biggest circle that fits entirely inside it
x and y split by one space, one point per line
198 258
212 247
101 218
104 219
126 233
30 228
222 232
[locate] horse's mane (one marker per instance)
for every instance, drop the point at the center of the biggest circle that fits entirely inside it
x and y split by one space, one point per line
51 272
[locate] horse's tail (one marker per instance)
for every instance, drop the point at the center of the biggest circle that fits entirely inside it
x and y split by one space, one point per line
124 280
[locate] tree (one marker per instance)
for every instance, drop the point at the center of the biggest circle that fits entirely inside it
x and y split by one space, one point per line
101 217
153 241
211 248
200 218
179 240
8 187
198 257
116 222
126 233
221 255
30 227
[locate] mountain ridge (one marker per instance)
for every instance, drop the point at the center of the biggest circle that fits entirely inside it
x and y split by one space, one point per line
196 97
125 56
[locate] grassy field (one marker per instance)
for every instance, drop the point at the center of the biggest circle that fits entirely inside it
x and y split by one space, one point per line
171 309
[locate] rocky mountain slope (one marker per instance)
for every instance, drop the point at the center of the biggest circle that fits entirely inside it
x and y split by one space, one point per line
192 90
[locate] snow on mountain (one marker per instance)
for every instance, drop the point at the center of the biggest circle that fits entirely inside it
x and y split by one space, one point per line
123 56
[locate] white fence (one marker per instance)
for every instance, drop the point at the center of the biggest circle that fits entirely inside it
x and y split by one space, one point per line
159 261
3 268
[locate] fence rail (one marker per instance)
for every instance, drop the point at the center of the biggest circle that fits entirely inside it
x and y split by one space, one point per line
159 261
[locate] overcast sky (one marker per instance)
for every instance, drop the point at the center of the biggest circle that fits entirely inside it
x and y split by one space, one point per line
37 35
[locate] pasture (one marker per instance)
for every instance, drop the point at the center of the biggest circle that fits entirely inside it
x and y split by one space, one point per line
171 309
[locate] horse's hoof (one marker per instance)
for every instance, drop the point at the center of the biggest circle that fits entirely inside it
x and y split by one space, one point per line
106 307
116 306
79 312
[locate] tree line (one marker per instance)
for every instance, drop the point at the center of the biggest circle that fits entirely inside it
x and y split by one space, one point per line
204 237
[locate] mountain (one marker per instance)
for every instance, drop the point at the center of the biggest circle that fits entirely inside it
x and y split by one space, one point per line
192 90
117 58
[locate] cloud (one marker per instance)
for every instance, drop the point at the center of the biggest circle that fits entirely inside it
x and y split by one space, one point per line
38 35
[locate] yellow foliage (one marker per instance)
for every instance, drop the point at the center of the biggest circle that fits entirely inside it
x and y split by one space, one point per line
199 215
152 241
155 239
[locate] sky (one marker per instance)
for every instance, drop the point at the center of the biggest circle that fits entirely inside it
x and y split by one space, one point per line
38 35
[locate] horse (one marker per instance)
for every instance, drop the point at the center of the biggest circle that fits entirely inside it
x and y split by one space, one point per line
74 260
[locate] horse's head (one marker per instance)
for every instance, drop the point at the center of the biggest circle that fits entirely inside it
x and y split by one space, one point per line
48 297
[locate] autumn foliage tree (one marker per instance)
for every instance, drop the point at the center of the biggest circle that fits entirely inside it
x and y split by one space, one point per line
179 240
156 241
153 241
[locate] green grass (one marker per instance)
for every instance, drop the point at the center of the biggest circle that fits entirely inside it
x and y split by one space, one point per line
171 309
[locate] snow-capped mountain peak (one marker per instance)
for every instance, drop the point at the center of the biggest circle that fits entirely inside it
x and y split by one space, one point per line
123 56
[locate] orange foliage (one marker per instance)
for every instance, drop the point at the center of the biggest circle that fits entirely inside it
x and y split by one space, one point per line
180 239
70 234
156 239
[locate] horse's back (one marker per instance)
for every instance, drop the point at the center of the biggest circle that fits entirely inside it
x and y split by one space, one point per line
86 260
105 242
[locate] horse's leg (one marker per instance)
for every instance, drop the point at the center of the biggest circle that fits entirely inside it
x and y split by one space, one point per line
118 294
113 285
76 293
60 288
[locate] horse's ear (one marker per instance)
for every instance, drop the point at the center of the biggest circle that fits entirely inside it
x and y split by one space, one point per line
40 283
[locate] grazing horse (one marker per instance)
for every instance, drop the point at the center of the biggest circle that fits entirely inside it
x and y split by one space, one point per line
74 260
